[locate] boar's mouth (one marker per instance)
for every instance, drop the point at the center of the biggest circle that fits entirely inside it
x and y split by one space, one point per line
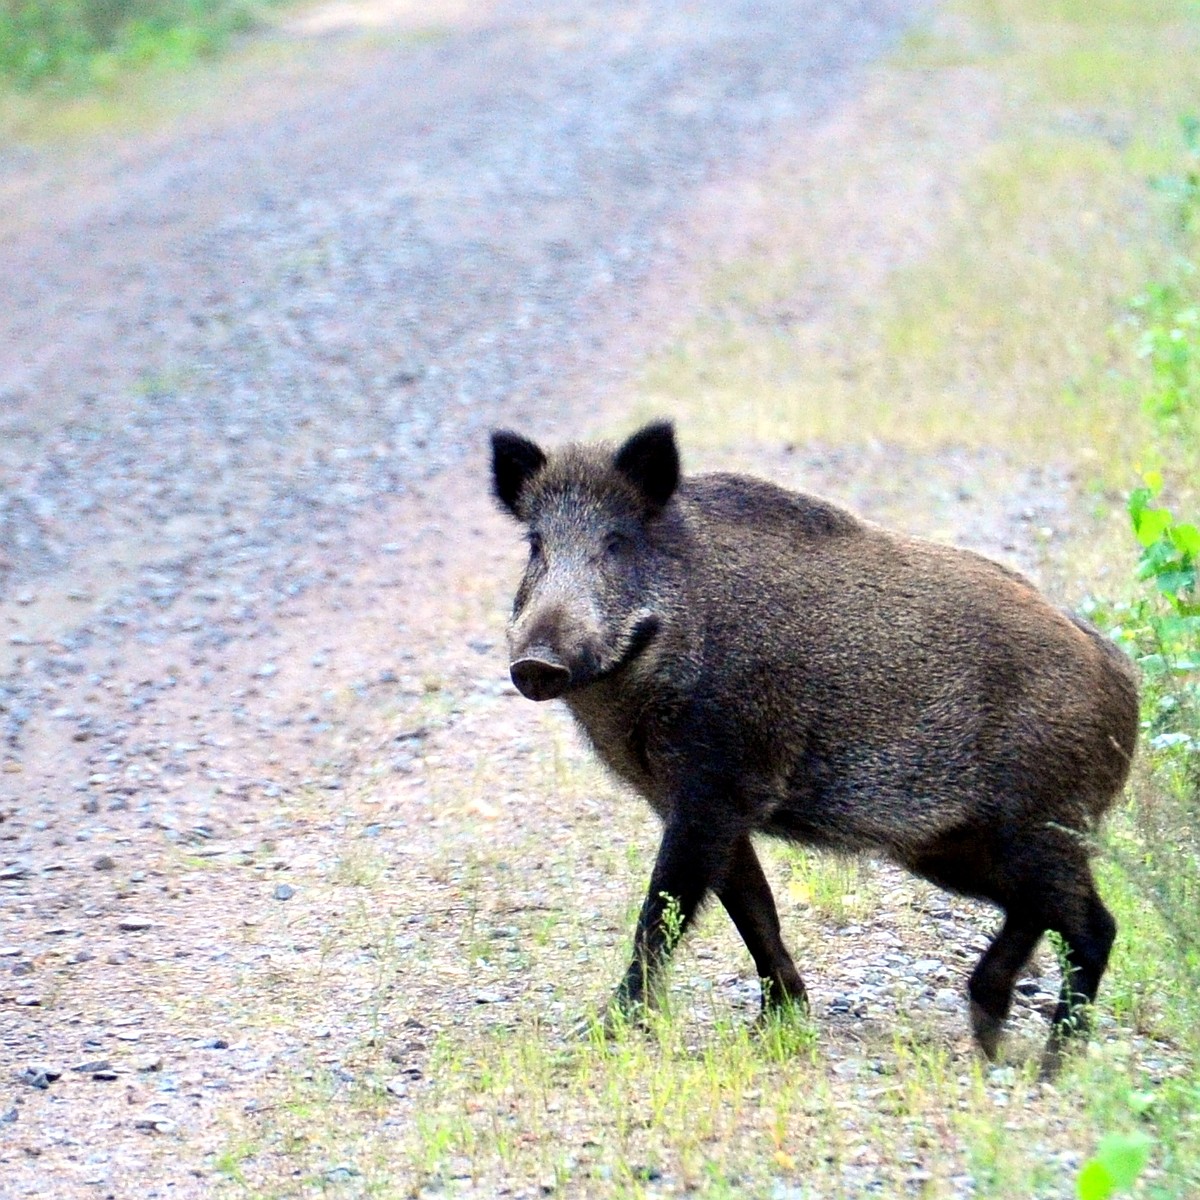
540 675
640 637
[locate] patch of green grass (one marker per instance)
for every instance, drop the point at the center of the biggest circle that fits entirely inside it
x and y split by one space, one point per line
228 1161
837 889
1006 331
83 43
359 866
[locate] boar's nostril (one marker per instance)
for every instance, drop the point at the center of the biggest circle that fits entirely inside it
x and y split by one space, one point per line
538 679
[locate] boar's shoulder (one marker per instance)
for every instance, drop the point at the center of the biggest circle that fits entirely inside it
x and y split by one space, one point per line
737 500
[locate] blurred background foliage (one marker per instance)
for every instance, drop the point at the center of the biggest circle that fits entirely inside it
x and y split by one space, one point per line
80 43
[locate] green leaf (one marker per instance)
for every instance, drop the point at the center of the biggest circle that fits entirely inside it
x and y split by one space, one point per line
1179 628
1124 1156
1174 582
1150 523
1186 539
1137 503
1094 1182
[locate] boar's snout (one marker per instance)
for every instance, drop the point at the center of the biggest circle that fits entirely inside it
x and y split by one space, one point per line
538 676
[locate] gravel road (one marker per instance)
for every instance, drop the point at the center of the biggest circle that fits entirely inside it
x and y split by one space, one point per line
222 341
274 323
234 351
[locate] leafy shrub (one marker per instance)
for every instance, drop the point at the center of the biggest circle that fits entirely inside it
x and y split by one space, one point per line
88 41
1156 844
1161 628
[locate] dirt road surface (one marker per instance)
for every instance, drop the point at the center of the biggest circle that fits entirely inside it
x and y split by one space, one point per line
251 587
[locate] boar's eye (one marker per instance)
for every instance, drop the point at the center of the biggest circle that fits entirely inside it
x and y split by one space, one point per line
535 544
616 544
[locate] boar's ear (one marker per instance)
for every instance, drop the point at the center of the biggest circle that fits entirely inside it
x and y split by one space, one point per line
514 461
650 461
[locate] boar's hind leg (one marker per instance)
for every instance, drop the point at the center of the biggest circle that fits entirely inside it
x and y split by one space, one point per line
747 898
1058 894
690 861
1088 930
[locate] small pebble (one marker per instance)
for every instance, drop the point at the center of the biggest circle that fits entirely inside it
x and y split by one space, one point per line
284 891
38 1077
946 999
154 1125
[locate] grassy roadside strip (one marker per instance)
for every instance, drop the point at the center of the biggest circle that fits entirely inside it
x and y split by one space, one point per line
74 45
1013 328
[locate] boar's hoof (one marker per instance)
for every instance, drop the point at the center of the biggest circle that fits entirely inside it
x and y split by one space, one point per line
790 1001
611 1020
539 679
1058 1052
987 1029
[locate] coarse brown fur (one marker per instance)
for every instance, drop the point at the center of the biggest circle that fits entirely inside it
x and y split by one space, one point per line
752 660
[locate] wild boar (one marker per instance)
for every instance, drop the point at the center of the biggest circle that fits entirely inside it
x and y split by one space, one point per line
754 660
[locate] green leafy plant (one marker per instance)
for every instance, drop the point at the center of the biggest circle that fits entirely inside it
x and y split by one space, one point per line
672 920
1161 629
88 42
1170 344
1169 311
1165 626
1119 1159
1170 548
1183 188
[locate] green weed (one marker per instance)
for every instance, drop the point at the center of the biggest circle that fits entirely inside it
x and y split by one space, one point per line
836 888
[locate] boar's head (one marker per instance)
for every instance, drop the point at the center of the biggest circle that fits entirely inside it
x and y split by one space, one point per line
603 549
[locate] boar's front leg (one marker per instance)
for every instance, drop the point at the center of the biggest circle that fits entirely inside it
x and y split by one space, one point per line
747 898
691 860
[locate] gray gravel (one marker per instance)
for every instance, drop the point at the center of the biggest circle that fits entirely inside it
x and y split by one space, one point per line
291 319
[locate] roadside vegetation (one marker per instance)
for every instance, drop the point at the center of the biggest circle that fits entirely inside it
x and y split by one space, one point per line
77 44
1042 307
